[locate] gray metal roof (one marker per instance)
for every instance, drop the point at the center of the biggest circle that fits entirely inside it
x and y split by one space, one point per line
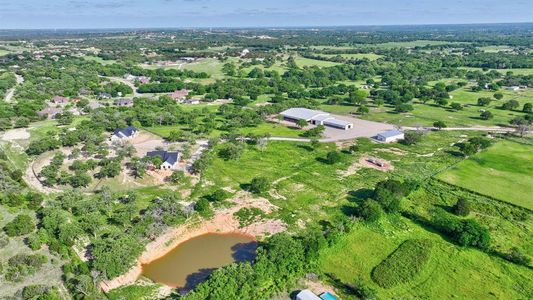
321 118
390 133
300 113
337 122
169 157
307 295
126 132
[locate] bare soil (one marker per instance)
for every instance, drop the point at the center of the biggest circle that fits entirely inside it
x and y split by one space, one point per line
222 222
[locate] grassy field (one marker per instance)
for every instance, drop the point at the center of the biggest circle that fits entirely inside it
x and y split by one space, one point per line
307 62
426 114
211 66
3 52
306 188
452 272
504 171
99 60
504 71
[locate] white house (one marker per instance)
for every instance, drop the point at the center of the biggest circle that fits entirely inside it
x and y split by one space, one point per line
122 134
315 117
169 160
390 136
513 88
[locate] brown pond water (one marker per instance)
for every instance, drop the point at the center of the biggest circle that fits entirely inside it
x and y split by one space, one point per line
193 261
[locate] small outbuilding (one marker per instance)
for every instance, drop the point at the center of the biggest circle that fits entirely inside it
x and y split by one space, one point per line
307 295
390 136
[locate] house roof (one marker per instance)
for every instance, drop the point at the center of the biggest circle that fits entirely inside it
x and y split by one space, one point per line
123 101
50 111
125 132
337 122
168 157
390 133
300 113
179 94
307 295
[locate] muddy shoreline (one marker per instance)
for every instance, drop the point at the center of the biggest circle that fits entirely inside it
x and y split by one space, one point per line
223 222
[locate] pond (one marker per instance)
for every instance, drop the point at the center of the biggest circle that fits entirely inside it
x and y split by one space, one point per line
191 262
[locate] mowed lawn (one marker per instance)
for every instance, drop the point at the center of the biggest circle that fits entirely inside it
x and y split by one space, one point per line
504 171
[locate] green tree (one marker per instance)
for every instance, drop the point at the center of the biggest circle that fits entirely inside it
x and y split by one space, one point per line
439 125
498 96
301 123
486 115
370 210
484 101
462 207
528 108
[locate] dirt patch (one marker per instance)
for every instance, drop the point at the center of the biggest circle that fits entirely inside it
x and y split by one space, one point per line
16 134
222 222
316 286
352 169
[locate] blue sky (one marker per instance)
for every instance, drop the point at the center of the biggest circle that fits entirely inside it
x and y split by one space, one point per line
19 14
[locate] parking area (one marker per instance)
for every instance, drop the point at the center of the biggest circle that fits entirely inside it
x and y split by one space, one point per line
361 128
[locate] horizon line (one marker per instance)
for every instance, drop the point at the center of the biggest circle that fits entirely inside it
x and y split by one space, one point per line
264 26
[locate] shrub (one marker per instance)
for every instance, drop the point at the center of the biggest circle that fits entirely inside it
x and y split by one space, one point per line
219 195
333 157
21 225
412 137
402 266
259 185
517 257
464 232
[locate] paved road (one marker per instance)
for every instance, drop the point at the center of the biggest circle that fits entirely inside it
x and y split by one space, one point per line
343 138
128 83
11 92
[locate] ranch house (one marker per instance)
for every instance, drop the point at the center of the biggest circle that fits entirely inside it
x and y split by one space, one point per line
122 134
170 159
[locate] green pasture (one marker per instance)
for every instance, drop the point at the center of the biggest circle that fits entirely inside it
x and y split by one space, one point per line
504 171
452 272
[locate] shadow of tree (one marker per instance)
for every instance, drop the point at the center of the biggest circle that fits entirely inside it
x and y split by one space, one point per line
244 251
195 279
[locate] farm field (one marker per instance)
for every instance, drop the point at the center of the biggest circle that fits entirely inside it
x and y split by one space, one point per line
504 171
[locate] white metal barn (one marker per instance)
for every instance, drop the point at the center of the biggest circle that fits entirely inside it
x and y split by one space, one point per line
315 117
390 136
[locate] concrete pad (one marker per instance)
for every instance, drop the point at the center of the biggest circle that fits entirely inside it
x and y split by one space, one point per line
361 128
